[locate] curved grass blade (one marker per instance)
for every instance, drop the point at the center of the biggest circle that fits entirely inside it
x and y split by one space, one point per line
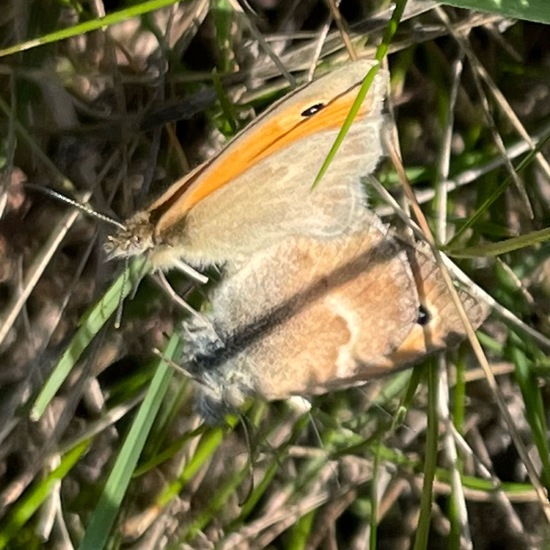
90 325
363 91
35 497
502 247
88 26
530 10
105 514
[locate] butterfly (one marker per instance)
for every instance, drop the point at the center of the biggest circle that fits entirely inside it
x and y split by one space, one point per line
318 294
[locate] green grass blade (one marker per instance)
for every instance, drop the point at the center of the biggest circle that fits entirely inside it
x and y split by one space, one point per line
534 408
430 462
90 325
530 10
363 91
104 516
35 497
88 26
502 247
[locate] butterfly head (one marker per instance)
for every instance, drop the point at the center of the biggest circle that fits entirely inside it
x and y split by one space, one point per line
135 238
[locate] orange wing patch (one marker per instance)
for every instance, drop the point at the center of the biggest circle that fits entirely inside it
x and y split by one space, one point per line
256 145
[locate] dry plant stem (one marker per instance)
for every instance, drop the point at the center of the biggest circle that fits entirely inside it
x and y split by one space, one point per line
39 345
472 174
54 426
135 526
320 42
342 27
501 498
35 270
108 418
451 454
476 346
505 106
48 511
475 19
476 65
10 146
301 57
327 519
441 522
263 44
62 528
445 154
393 493
478 292
481 463
499 369
527 296
52 513
513 118
283 516
160 531
479 495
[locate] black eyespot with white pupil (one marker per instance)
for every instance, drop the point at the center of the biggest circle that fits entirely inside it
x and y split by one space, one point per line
423 316
310 111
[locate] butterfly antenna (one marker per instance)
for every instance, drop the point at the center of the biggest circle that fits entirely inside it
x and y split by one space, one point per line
83 207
